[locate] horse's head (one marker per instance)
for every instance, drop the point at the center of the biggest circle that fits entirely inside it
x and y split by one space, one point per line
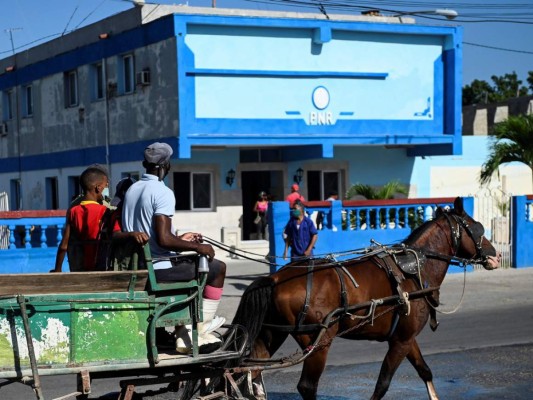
469 237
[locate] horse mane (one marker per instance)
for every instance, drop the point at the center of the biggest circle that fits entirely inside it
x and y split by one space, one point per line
417 232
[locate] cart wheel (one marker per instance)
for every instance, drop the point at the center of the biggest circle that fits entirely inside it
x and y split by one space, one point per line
186 390
241 386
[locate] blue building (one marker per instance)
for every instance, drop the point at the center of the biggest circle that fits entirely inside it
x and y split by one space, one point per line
249 100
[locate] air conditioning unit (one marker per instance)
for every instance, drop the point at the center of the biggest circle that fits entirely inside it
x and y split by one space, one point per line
3 129
143 77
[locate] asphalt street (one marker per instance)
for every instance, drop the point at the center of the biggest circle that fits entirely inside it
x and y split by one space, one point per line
482 351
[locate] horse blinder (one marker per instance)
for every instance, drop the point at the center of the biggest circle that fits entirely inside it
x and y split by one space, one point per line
476 232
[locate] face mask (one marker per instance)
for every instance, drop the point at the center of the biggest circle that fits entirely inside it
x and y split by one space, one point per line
296 213
105 192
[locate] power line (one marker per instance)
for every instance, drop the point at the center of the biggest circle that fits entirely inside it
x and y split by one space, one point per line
498 48
347 6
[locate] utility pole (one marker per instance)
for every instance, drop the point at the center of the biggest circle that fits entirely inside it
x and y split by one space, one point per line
17 120
10 31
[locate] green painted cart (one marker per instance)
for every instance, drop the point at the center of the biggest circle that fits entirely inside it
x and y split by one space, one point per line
103 324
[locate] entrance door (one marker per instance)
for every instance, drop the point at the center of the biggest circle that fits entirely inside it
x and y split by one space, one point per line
254 182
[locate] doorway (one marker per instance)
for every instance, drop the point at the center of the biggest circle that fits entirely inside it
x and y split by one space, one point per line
254 182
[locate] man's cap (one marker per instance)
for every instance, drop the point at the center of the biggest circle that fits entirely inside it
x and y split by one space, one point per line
120 191
261 194
158 153
295 187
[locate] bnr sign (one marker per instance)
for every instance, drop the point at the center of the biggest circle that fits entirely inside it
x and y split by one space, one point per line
320 118
320 101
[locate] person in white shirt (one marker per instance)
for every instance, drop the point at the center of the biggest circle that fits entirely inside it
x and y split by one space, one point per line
149 206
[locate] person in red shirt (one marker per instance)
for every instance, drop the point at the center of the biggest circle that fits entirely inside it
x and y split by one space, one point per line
295 195
83 223
118 255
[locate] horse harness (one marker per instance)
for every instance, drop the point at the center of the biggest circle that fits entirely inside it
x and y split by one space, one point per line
392 262
341 270
400 263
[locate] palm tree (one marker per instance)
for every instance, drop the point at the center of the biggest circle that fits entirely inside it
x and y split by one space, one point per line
387 191
513 141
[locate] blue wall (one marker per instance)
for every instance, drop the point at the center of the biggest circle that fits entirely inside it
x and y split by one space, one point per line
341 238
306 82
522 232
25 261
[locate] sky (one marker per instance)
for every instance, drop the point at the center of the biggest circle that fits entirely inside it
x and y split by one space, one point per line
497 34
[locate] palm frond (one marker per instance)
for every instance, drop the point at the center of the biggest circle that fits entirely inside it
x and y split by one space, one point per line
387 191
513 142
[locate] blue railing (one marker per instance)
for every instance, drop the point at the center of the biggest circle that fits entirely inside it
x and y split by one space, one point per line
352 225
29 229
30 240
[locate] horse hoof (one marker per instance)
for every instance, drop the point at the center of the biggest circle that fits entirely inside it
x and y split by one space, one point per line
434 325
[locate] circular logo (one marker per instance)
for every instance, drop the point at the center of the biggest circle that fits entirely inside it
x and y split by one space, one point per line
320 97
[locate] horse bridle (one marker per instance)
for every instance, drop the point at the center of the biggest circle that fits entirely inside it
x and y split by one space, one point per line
456 234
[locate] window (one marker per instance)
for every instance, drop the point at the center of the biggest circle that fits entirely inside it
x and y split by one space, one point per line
193 190
134 175
27 101
52 195
71 88
7 105
320 184
260 155
16 195
98 81
74 187
127 75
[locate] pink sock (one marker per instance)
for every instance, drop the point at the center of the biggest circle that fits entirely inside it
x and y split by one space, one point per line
213 293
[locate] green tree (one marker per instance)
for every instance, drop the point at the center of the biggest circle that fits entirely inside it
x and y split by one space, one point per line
512 141
385 192
372 218
503 87
507 86
530 80
477 92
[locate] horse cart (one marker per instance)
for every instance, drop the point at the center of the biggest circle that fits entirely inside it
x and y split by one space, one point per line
103 324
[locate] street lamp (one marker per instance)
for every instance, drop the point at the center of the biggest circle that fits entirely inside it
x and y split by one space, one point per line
230 177
443 12
298 176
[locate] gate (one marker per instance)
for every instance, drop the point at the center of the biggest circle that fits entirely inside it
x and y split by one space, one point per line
4 231
492 207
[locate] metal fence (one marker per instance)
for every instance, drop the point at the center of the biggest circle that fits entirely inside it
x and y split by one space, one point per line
4 231
492 207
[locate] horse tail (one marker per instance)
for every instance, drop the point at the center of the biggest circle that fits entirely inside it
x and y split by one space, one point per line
254 306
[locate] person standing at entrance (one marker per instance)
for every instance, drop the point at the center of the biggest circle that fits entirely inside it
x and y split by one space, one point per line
300 234
260 221
295 195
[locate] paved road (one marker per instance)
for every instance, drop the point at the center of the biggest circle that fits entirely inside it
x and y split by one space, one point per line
483 351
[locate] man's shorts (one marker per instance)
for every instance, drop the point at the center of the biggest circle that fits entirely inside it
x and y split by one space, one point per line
184 269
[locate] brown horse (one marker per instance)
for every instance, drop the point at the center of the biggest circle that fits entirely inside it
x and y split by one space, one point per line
327 299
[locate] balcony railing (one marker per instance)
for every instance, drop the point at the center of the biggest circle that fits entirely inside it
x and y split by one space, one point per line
31 229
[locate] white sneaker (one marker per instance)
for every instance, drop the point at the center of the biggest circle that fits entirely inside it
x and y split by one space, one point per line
211 326
207 343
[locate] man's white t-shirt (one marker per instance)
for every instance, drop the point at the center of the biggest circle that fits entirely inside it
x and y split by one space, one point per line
145 199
